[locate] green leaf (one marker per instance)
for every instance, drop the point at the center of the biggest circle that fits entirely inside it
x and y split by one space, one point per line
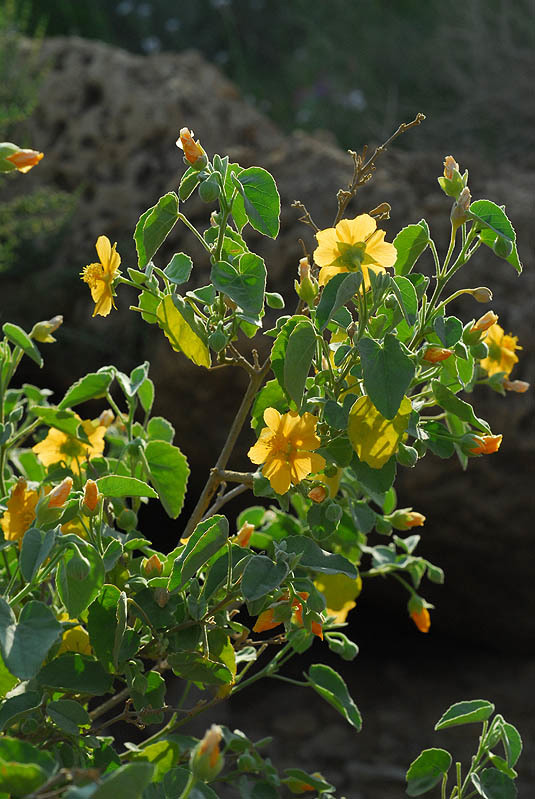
36 547
188 183
468 712
68 715
410 244
512 743
153 696
244 282
339 290
375 481
76 673
278 351
387 373
154 226
501 765
24 644
449 329
21 339
270 396
164 755
176 780
261 200
198 668
77 594
129 780
207 539
458 407
113 485
328 684
149 305
65 420
92 386
261 576
169 473
185 333
146 394
494 218
407 298
317 559
102 624
494 784
178 270
373 437
296 776
16 707
160 429
7 680
427 771
299 353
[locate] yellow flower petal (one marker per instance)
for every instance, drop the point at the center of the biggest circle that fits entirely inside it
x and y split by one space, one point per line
354 230
340 593
278 472
382 253
272 418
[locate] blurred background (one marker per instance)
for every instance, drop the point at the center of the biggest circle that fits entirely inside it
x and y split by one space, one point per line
103 89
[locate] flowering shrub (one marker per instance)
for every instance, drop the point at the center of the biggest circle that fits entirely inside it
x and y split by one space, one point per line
362 379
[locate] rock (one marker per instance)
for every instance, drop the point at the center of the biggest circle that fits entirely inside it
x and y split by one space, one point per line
107 121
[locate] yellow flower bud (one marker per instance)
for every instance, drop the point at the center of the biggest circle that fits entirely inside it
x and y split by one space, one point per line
406 519
317 494
24 160
91 497
486 445
106 418
307 287
58 496
450 165
42 331
422 619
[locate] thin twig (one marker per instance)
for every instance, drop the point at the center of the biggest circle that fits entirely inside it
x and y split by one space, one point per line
306 218
223 499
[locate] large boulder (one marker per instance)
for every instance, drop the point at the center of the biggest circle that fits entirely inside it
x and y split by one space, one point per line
107 121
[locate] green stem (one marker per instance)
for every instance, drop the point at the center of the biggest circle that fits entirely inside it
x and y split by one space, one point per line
194 230
188 787
138 286
268 670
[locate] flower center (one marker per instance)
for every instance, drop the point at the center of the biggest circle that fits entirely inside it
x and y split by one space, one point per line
351 255
92 274
71 448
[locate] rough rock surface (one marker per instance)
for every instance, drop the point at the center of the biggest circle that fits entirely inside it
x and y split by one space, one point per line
107 121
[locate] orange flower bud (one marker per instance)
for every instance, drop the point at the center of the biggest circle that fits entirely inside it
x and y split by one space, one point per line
24 160
244 534
91 496
317 629
422 619
450 164
436 354
481 294
265 621
406 519
151 567
106 418
317 494
518 386
484 322
58 497
206 761
42 331
465 199
486 445
193 152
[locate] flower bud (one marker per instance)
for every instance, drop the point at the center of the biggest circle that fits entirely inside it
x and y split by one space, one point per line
127 520
518 386
406 519
42 331
502 247
209 189
106 418
452 183
436 354
194 154
485 445
317 494
151 567
91 498
24 160
484 322
480 294
206 761
244 534
459 211
421 618
307 287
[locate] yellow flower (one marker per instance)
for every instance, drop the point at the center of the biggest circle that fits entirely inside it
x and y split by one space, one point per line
501 357
74 640
24 160
100 277
285 447
353 245
340 592
20 512
58 446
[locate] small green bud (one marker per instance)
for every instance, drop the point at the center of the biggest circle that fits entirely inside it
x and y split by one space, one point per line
406 456
383 526
127 520
218 340
330 470
209 189
502 247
